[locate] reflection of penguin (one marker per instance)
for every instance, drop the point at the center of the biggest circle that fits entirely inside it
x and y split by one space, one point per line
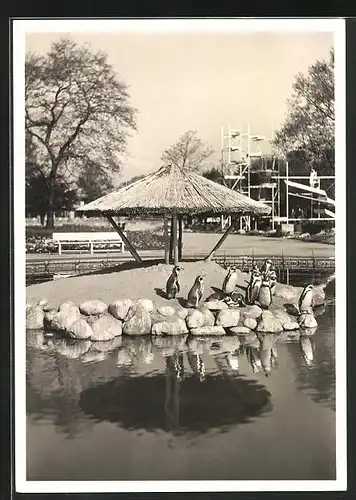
197 365
172 285
196 292
307 350
272 281
265 295
230 280
306 300
252 354
253 288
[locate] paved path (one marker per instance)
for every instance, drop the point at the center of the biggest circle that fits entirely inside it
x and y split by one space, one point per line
235 244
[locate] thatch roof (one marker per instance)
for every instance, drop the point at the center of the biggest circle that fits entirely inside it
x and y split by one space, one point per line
174 190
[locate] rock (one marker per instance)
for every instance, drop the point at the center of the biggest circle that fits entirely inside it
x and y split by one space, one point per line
177 327
215 305
319 295
308 331
250 323
120 308
195 318
240 330
182 312
287 292
307 320
93 307
30 302
228 318
281 316
106 328
34 317
251 312
209 318
48 316
80 329
66 304
146 303
65 317
49 307
290 325
138 321
166 311
208 330
90 319
43 303
269 323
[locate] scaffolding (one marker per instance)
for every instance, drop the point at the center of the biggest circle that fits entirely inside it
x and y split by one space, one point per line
240 152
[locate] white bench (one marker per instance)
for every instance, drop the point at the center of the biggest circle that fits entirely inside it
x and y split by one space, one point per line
91 239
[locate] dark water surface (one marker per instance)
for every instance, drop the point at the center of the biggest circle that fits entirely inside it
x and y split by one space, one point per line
175 408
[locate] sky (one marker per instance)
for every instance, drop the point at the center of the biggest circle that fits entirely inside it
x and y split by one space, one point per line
200 81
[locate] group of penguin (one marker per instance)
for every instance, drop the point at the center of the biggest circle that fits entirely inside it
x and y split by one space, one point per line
260 288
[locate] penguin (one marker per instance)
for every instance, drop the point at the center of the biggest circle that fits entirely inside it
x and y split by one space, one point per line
172 285
234 301
230 280
196 292
253 288
306 300
266 268
265 295
272 281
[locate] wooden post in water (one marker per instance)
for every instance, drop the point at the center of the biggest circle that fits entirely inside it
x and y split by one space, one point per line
180 237
221 241
174 239
166 240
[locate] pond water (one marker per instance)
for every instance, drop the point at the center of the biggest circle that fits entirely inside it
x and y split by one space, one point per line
175 408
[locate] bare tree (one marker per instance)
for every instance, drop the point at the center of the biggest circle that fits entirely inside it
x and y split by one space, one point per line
189 152
310 123
77 113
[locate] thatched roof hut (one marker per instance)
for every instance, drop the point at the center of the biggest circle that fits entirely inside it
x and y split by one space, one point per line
173 191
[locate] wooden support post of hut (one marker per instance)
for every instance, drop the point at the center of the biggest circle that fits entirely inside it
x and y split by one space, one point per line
132 250
166 240
174 239
221 241
180 237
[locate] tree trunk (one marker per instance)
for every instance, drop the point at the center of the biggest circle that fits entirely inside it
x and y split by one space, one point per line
50 211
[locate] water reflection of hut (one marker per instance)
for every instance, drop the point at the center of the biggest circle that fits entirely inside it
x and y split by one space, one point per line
173 192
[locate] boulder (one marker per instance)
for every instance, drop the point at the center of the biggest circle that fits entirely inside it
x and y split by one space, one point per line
47 306
66 304
120 308
215 305
48 316
138 321
319 295
228 318
80 329
93 307
239 330
208 330
251 323
287 292
34 317
64 318
268 323
182 312
106 328
251 312
177 327
146 303
166 311
43 302
307 320
281 316
195 318
290 325
209 318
